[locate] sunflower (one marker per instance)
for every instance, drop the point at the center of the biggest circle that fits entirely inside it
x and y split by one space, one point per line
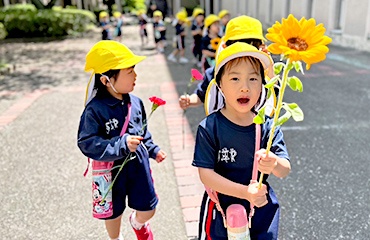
299 40
215 42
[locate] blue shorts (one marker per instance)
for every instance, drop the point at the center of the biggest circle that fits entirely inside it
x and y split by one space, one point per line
135 183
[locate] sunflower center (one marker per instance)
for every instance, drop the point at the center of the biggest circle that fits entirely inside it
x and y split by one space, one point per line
297 44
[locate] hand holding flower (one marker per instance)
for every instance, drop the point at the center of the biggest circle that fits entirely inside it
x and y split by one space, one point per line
133 142
266 162
161 155
257 196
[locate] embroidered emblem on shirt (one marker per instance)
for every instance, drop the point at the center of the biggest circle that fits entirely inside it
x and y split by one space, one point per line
111 125
227 155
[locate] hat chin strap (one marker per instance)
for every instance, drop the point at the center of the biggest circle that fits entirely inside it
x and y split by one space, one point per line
262 101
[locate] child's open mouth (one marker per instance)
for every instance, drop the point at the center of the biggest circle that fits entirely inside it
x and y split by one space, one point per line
243 100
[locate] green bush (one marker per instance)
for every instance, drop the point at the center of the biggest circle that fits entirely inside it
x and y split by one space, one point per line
24 20
3 32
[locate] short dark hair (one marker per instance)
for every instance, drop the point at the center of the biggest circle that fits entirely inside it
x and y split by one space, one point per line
252 41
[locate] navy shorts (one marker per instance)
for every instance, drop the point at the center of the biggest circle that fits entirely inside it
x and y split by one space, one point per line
265 222
135 183
180 42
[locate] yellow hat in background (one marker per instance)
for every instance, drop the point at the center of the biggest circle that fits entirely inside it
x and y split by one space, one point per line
107 54
157 13
103 14
197 11
182 16
117 14
140 11
240 49
243 27
223 13
210 19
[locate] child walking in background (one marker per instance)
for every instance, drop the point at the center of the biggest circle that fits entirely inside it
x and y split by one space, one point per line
179 45
108 104
159 30
212 27
197 32
118 23
105 25
225 146
240 29
143 20
224 16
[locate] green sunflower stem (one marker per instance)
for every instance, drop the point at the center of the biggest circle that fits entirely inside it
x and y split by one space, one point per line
284 81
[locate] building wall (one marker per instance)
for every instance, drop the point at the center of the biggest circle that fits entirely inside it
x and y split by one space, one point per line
346 21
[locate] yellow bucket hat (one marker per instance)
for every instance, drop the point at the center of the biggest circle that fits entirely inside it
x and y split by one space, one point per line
182 16
157 13
108 55
197 11
210 19
243 27
117 14
214 99
223 13
103 14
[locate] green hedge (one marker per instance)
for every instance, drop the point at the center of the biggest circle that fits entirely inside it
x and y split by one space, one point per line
24 20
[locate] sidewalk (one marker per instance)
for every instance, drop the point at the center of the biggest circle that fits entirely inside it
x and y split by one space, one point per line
44 195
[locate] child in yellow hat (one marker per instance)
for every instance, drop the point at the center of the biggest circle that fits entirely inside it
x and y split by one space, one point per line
225 150
159 29
113 125
211 29
224 16
179 39
105 25
239 29
118 23
197 32
143 20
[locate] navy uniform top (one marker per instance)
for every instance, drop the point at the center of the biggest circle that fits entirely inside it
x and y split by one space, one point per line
229 150
101 124
196 26
179 29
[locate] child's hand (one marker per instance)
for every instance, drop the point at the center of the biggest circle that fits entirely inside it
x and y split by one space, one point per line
161 155
257 196
266 163
133 142
184 101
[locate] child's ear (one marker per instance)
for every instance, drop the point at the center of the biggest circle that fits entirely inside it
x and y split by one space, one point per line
103 80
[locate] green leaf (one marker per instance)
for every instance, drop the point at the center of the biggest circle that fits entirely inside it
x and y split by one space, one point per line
278 67
283 118
295 111
272 82
260 118
295 84
269 92
298 66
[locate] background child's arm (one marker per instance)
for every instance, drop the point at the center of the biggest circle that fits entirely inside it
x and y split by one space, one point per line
271 163
223 185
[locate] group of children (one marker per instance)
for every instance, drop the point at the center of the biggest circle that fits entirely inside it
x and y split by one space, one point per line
225 150
111 28
206 32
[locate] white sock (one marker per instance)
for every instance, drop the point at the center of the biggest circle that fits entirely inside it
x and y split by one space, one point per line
120 237
135 224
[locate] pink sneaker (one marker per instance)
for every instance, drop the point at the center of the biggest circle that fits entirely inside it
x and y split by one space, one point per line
144 233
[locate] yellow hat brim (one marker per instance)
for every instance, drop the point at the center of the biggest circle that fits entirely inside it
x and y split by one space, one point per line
240 49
